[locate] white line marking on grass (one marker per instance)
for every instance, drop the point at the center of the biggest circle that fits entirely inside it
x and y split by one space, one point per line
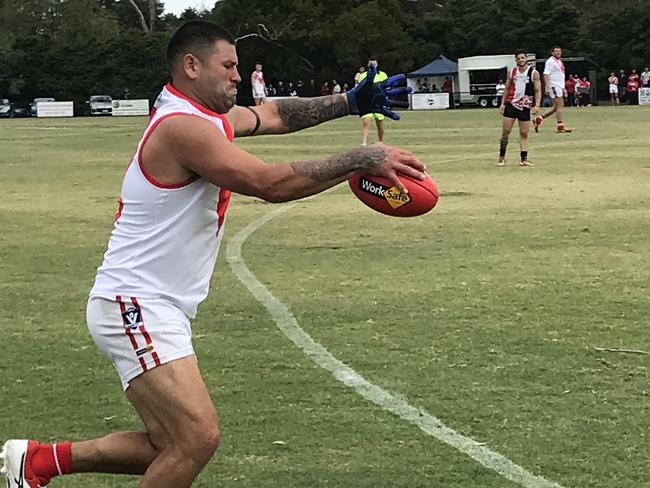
346 375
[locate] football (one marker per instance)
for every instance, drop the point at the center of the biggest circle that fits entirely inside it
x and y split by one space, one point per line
382 195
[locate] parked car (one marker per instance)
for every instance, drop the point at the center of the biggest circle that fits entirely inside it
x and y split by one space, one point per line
100 105
32 106
21 111
6 108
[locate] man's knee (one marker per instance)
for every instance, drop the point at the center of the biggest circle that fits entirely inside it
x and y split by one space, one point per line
201 439
158 438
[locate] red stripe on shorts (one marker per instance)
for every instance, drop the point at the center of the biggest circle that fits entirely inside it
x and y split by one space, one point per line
129 333
146 335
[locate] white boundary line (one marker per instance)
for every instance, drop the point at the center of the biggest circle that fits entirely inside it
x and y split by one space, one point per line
346 375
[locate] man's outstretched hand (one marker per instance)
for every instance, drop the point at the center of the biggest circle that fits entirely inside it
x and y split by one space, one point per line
370 97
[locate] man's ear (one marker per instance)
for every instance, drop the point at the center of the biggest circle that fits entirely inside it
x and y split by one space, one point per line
191 66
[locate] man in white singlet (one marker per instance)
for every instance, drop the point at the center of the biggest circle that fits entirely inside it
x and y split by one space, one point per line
555 86
523 91
258 84
164 245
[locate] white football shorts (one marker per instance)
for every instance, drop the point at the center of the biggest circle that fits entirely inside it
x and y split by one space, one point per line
557 91
138 335
613 88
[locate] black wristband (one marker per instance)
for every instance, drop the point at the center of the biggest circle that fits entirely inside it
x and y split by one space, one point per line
258 122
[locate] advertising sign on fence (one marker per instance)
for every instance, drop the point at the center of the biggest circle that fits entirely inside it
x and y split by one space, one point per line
130 107
55 109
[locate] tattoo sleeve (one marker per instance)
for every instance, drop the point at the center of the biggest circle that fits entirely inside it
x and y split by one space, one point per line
300 113
359 159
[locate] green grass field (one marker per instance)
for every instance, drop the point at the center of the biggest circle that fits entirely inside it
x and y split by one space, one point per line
485 313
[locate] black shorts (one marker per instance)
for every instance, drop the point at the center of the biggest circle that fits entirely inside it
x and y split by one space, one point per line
514 113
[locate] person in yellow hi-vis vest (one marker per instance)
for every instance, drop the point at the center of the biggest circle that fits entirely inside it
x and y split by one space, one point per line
380 76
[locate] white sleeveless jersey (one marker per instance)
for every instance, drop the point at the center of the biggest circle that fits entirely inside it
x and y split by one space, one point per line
522 90
555 70
166 237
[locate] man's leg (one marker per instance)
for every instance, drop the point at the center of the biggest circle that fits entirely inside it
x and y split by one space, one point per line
182 434
380 130
365 130
524 129
506 127
558 103
182 429
258 101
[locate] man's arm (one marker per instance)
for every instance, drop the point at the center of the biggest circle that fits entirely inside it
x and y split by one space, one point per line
223 163
504 96
538 91
290 115
295 114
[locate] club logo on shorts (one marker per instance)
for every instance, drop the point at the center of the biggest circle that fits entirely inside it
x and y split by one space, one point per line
392 195
132 317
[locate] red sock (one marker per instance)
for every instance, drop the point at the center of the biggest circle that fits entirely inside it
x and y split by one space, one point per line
51 460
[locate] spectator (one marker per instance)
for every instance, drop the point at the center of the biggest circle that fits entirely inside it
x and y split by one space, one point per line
583 87
424 87
313 91
645 77
613 88
501 87
270 89
622 85
281 90
434 88
292 90
634 76
633 89
448 87
362 69
336 88
325 89
570 87
345 88
300 88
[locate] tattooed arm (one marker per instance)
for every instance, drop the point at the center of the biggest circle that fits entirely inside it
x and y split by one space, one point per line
183 146
287 115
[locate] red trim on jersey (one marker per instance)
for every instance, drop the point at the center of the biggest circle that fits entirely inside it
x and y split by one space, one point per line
129 333
151 179
222 206
560 63
226 125
120 207
145 334
513 79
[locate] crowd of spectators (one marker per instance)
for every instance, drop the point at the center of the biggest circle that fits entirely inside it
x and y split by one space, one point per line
624 87
422 85
283 88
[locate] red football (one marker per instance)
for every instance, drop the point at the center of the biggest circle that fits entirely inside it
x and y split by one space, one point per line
380 194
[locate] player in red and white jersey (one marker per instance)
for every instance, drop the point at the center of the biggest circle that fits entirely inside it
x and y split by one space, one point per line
164 245
258 85
523 93
555 86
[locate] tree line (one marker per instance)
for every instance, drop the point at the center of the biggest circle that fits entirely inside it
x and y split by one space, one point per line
70 49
